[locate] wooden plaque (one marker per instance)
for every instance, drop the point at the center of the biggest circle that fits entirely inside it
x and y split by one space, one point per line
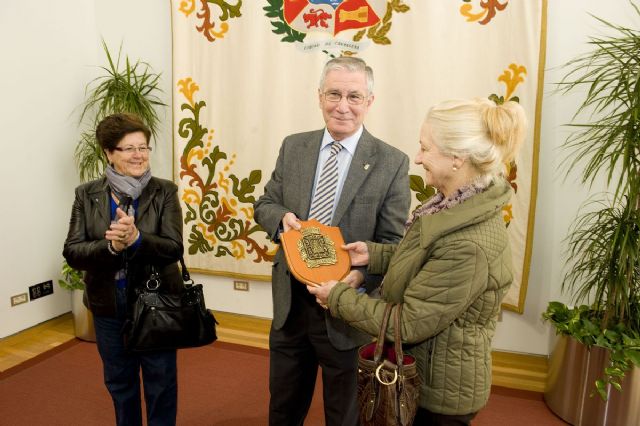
314 253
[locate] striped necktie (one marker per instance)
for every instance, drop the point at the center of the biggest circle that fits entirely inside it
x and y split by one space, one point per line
324 198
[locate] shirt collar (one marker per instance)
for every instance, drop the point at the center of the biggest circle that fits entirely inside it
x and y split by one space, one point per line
350 143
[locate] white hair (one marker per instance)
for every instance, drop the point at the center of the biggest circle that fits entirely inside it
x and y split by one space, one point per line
351 64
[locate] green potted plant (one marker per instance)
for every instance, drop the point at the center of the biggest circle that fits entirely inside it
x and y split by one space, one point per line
123 87
600 334
72 280
131 87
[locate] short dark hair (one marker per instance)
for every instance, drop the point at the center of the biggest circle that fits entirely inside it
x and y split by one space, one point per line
114 127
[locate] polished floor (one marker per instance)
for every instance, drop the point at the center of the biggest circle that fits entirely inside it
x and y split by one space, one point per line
515 371
20 347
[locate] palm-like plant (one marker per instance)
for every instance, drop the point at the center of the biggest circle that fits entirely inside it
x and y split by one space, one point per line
133 88
604 242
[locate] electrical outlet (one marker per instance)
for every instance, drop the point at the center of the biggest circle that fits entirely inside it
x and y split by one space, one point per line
42 289
241 285
19 299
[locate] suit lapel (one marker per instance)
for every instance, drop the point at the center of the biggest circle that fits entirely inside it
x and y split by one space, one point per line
307 171
362 164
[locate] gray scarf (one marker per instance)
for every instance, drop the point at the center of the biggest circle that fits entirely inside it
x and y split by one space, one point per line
127 185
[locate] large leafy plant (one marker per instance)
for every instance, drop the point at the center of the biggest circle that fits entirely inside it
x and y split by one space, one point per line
604 243
123 87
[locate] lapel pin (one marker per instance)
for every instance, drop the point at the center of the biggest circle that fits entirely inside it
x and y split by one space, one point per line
366 166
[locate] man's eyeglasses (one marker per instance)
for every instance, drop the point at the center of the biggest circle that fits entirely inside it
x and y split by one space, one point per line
132 149
352 98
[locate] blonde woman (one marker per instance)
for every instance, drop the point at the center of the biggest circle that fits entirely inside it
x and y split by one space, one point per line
453 266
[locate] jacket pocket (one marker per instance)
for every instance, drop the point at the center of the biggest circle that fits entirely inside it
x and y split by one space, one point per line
431 347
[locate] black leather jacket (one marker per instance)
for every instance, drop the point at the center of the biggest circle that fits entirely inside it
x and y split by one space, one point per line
159 220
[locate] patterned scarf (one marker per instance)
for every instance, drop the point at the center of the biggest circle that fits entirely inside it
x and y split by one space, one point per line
438 202
127 185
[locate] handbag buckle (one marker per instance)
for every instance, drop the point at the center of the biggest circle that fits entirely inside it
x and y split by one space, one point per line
153 283
395 376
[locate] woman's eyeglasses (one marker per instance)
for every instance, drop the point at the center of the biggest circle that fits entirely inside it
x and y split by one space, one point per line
132 149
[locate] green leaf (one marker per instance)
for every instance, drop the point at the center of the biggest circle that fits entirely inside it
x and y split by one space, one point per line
72 279
601 388
633 356
279 27
243 189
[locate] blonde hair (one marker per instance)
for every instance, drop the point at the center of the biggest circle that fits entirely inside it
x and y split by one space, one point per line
480 131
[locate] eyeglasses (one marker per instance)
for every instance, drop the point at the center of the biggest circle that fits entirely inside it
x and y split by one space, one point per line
132 149
352 98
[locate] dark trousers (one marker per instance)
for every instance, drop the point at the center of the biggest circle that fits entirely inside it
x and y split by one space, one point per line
122 374
425 417
296 351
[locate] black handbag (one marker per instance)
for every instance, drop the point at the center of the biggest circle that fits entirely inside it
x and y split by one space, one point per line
163 321
388 381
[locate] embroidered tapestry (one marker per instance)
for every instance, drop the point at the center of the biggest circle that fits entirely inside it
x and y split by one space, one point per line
246 74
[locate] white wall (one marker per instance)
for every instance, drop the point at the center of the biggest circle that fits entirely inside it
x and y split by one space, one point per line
44 65
48 55
49 52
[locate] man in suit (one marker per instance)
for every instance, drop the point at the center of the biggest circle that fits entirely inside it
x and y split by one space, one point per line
368 200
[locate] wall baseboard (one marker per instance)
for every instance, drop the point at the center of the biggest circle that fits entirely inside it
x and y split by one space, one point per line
510 370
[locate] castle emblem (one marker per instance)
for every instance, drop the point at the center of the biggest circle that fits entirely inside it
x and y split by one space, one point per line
345 25
332 16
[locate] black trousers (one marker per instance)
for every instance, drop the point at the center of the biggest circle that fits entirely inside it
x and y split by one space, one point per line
296 351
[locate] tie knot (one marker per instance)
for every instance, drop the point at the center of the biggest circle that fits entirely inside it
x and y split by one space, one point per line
335 148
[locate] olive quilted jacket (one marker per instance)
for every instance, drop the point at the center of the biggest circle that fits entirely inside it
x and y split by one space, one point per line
451 271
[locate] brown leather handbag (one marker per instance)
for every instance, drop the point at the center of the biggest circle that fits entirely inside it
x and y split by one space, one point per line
388 381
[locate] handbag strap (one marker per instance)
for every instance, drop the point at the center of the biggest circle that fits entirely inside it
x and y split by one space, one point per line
185 272
153 283
377 354
398 338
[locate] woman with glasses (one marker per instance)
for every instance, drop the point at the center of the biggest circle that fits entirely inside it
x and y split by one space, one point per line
120 225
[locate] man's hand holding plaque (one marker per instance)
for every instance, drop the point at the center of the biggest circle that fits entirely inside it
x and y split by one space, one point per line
314 253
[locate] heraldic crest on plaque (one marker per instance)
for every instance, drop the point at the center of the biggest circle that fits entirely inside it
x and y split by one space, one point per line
314 253
316 249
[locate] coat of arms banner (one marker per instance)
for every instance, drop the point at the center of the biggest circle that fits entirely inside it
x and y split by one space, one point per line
246 74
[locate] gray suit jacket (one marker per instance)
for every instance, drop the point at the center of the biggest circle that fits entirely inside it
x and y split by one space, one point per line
373 206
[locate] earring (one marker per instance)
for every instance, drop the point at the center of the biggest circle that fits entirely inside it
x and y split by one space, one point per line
455 168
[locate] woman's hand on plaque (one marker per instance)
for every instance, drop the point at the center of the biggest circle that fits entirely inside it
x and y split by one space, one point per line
322 292
358 253
354 278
